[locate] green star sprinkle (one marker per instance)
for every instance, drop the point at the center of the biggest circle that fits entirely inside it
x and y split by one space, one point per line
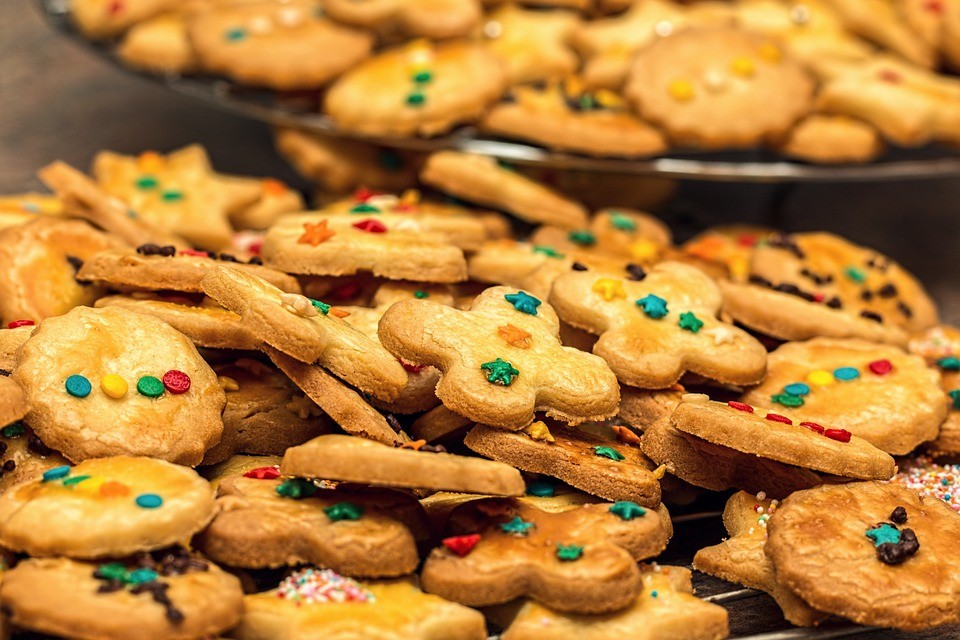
690 322
621 222
654 306
518 526
147 182
569 552
523 302
363 207
955 396
112 571
950 363
608 452
541 489
419 294
550 252
500 372
883 534
788 400
583 238
322 307
343 511
627 510
296 488
416 99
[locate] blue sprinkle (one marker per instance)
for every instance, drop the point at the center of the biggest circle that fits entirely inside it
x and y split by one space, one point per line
78 386
797 389
149 500
56 473
654 594
846 373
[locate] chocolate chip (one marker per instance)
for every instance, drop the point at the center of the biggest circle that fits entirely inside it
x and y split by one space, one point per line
167 251
255 260
899 515
879 263
110 586
3 447
866 295
898 553
394 423
576 266
904 309
759 280
834 303
509 97
9 465
794 290
871 315
783 241
174 615
887 291
226 257
75 262
36 445
636 272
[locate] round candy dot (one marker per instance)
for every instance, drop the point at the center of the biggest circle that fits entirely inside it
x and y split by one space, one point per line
78 386
56 473
149 500
881 367
681 90
820 378
150 387
797 389
176 382
113 386
846 373
788 400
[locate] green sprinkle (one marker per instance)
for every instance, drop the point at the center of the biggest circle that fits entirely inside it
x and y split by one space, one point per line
883 534
653 306
627 510
608 452
621 222
569 552
950 363
296 488
550 252
955 396
236 34
788 400
523 302
518 526
146 182
420 294
74 480
416 99
13 430
343 511
422 77
690 322
583 238
139 576
855 274
363 207
541 489
112 571
500 372
150 386
587 102
322 307
171 195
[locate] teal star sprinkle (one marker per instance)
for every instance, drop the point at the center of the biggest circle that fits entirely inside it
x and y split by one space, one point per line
569 552
343 511
608 452
627 510
883 534
541 489
500 372
950 363
654 306
523 302
690 322
955 396
518 526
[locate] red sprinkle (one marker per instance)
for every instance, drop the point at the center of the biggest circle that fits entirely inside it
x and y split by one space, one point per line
747 239
818 297
739 406
462 545
370 226
840 435
889 75
194 252
412 368
263 473
362 194
813 426
881 367
176 381
20 323
255 247
776 417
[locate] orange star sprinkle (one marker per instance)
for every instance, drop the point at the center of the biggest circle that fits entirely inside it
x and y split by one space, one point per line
515 336
314 234
626 436
413 444
274 187
149 162
338 312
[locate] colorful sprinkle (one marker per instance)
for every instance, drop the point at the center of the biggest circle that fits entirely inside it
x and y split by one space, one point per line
744 67
627 510
315 234
56 473
776 417
316 586
622 222
681 90
797 389
16 324
420 294
72 480
608 452
940 481
149 501
840 435
416 98
517 527
150 386
788 400
820 378
114 386
609 289
813 426
114 489
846 374
322 307
690 322
523 302
880 367
263 473
13 430
583 238
235 34
296 488
500 372
515 336
883 534
539 431
740 406
171 195
955 396
343 511
855 274
364 207
950 363
461 545
653 306
541 489
550 252
370 225
78 386
146 182
176 382
569 552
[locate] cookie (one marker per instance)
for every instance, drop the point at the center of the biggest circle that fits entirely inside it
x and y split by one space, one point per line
728 246
499 359
644 408
38 265
884 24
741 558
741 427
18 208
654 329
281 46
173 595
886 541
267 521
276 199
666 608
179 192
100 19
434 19
237 465
827 139
352 459
565 116
719 88
633 235
581 559
107 507
848 383
23 456
940 347
308 330
481 180
531 44
159 45
344 405
313 603
110 381
416 89
439 423
13 402
592 460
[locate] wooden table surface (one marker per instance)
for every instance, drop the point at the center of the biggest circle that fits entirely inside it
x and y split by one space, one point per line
58 100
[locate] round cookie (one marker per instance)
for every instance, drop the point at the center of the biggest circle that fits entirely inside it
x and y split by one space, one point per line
174 597
23 456
107 507
940 347
832 546
718 88
110 381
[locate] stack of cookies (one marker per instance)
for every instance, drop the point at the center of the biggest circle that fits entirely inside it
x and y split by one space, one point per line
395 417
828 81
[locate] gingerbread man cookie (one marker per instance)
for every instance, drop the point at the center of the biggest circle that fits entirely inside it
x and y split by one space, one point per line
500 359
531 44
159 45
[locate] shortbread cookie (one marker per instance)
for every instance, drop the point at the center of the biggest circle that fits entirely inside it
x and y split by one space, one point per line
531 45
434 19
598 464
316 603
17 209
276 199
643 408
266 521
352 459
776 437
828 139
179 192
480 179
101 19
565 116
633 235
719 88
107 507
665 609
24 457
418 88
284 46
888 543
13 402
308 330
580 559
173 595
742 560
38 265
940 347
882 22
159 45
499 359
439 423
154 267
239 465
345 406
729 245
110 381
265 413
847 384
654 329
816 284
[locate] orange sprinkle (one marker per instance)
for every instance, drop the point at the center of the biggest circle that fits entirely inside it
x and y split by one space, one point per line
626 436
114 489
274 187
413 444
515 336
314 234
149 162
337 312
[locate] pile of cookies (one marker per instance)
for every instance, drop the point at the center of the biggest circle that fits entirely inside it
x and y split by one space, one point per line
397 417
828 81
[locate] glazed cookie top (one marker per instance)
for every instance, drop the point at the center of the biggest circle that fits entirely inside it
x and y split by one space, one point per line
106 507
110 381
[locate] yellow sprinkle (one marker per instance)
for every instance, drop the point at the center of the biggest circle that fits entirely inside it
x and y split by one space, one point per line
744 67
539 431
228 384
91 485
681 90
410 197
660 471
114 386
607 98
739 267
770 52
644 251
820 378
609 289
